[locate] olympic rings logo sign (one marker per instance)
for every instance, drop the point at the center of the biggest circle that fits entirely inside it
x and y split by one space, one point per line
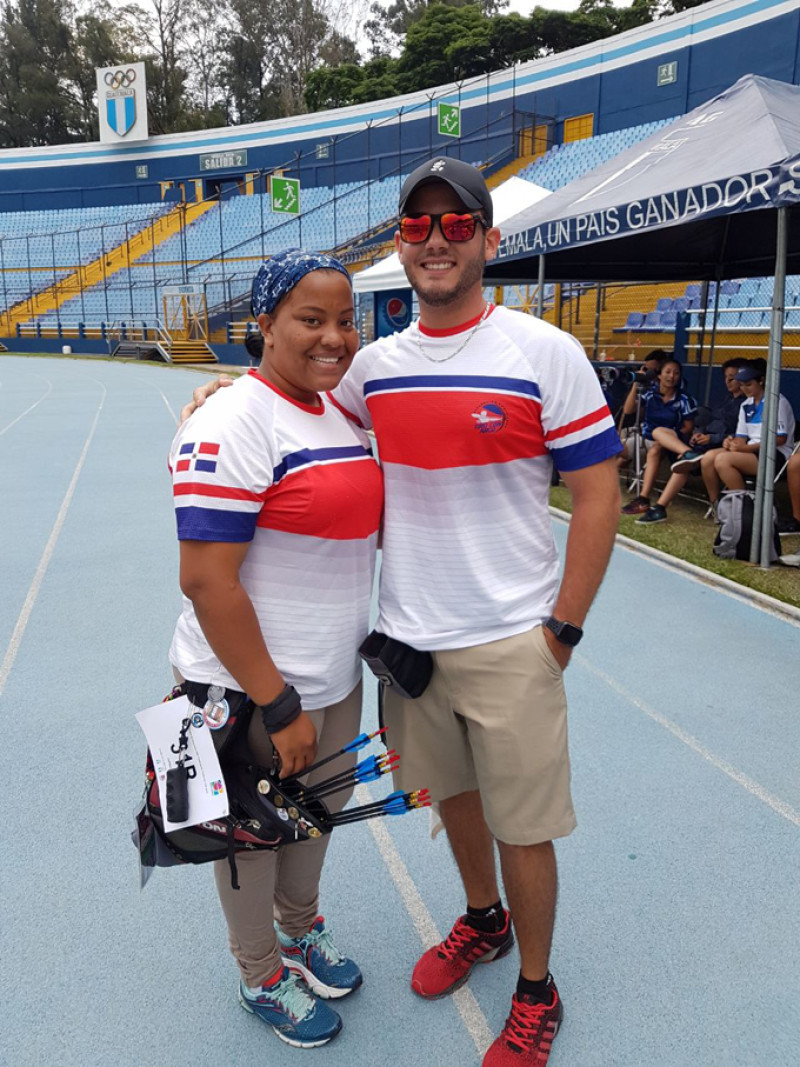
120 79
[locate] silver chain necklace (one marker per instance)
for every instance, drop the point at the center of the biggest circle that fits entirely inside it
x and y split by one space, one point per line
461 347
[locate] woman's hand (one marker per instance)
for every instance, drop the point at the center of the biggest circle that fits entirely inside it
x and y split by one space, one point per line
700 439
202 393
296 745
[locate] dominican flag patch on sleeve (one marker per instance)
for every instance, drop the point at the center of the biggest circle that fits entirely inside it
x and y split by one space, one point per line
201 456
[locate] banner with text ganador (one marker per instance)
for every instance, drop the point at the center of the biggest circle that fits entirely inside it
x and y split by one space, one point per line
775 186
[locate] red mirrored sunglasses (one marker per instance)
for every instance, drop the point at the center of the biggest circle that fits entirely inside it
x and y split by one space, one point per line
414 229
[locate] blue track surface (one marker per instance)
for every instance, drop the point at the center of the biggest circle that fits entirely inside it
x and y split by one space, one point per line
678 929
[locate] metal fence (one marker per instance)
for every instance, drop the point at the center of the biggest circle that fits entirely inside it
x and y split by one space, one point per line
710 324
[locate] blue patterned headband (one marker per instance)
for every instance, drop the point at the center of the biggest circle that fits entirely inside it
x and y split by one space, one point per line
280 274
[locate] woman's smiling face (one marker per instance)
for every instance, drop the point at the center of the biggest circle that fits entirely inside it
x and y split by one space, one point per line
670 377
310 338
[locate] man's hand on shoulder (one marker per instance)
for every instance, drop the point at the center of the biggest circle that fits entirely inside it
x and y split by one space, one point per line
202 393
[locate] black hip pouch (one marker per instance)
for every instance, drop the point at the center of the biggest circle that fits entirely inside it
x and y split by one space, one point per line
396 665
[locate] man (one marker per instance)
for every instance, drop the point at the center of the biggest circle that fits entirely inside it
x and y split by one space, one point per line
468 405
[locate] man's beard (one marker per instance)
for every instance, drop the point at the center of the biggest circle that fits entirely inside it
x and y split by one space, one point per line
472 273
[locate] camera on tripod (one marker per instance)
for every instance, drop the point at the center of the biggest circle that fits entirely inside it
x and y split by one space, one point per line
627 376
642 376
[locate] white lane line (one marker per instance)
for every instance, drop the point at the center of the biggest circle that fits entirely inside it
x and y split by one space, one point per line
169 409
780 807
467 1006
41 570
28 410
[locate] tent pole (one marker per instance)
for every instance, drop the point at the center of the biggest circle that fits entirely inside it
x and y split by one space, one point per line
773 385
711 346
597 309
701 340
540 293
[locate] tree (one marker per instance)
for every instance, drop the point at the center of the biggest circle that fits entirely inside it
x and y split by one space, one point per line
205 46
100 38
36 107
163 28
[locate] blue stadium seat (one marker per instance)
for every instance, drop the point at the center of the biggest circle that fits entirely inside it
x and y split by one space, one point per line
652 321
754 320
668 320
739 300
665 303
635 320
749 286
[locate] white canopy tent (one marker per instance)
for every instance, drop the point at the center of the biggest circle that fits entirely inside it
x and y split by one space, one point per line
509 199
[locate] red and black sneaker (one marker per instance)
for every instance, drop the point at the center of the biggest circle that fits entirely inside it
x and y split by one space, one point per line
529 1033
446 966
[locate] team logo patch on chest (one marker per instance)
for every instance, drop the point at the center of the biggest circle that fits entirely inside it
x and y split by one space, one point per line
489 418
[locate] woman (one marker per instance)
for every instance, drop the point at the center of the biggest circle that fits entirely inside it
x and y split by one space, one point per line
738 457
278 502
666 408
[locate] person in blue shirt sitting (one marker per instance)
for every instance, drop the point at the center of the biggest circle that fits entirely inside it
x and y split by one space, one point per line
666 408
738 457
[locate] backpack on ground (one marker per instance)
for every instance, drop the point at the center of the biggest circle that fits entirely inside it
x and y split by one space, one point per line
735 515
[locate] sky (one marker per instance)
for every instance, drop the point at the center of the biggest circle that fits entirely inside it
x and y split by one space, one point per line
524 7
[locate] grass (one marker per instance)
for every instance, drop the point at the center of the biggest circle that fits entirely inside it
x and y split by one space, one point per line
689 536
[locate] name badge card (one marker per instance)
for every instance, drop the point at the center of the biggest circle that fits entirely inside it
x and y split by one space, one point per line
208 797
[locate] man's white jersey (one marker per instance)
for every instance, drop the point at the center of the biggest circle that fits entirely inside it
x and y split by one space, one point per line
466 447
300 484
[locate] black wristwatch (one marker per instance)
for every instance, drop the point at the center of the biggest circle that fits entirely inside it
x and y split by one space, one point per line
566 633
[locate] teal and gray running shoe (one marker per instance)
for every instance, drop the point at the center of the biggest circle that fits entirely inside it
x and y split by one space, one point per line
317 960
296 1016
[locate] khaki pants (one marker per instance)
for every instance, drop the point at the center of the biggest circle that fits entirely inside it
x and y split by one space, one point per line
493 718
284 885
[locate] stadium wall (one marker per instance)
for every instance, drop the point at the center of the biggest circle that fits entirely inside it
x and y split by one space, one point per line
615 80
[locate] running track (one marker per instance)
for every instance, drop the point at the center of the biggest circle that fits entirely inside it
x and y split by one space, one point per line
678 929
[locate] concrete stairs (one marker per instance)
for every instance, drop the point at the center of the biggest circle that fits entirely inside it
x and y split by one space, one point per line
195 351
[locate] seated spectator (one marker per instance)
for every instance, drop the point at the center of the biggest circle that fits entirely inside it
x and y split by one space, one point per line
712 428
644 376
666 407
738 457
792 526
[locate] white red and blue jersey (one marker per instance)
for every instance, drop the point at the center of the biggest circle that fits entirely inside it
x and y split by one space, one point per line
465 445
300 484
750 423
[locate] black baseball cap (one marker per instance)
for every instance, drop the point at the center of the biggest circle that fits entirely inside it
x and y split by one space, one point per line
465 180
749 373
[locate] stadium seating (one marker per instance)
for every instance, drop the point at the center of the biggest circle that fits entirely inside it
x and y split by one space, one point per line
564 163
223 247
